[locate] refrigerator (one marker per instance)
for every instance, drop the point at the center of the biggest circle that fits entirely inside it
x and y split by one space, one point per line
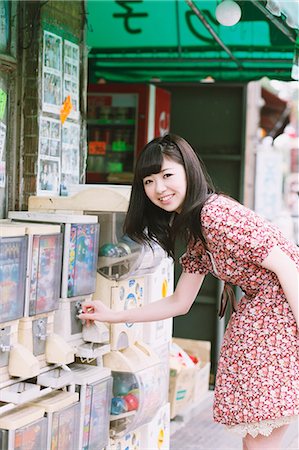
121 119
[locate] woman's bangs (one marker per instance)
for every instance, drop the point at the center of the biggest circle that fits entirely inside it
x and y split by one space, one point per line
150 161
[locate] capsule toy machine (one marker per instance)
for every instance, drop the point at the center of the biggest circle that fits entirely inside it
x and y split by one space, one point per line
62 410
78 277
123 264
23 427
36 328
126 271
15 359
138 388
94 385
122 268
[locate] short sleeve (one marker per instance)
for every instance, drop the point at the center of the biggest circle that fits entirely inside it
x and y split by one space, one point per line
195 260
238 231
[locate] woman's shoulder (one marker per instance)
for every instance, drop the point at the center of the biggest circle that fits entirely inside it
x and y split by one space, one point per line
220 209
221 202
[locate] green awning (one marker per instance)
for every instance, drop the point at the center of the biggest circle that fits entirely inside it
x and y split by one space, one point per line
142 41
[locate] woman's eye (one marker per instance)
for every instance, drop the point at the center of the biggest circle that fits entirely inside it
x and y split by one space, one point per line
147 182
166 175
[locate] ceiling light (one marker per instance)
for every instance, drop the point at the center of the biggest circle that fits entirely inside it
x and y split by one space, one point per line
228 13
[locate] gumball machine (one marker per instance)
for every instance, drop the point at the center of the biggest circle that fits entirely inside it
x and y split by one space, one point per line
138 390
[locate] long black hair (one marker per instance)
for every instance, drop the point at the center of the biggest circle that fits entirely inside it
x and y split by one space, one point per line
146 222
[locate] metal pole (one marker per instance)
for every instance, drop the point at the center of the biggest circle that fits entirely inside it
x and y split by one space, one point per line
198 13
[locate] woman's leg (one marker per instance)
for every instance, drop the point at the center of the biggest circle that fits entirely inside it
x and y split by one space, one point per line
244 445
272 442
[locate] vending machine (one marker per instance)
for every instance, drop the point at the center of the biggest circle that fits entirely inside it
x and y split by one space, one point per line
62 410
121 119
23 427
94 385
78 274
15 359
128 275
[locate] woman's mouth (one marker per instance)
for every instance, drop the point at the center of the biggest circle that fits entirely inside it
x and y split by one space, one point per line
166 198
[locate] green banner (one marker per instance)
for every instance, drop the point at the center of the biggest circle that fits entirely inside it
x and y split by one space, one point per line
128 24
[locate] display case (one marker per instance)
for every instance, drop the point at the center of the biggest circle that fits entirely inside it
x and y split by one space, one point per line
24 427
138 387
44 268
13 253
15 359
43 275
121 119
80 244
111 134
63 416
94 385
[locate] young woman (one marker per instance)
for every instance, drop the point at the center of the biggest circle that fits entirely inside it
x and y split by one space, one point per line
257 383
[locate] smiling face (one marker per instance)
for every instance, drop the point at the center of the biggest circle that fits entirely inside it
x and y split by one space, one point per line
167 188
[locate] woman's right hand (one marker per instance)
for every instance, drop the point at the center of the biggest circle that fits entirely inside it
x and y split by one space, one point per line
95 310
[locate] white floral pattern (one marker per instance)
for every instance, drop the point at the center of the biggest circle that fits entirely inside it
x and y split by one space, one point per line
258 371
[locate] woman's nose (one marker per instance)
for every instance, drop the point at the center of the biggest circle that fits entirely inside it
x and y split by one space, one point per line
160 186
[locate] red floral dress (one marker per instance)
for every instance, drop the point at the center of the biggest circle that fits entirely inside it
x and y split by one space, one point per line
258 371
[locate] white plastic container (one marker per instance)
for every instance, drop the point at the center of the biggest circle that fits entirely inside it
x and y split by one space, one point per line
63 413
23 427
94 385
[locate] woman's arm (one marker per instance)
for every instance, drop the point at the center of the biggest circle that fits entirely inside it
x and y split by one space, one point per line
287 273
175 305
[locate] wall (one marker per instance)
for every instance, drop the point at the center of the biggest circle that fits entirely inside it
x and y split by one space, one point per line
8 71
66 20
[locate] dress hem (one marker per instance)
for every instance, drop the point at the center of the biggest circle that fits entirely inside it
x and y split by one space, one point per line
264 427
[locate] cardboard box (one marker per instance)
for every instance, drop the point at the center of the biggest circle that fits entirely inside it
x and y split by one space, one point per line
189 385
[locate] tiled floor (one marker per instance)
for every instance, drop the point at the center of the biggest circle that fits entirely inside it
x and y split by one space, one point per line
197 431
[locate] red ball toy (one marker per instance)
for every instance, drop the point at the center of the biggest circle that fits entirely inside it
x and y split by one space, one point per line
131 402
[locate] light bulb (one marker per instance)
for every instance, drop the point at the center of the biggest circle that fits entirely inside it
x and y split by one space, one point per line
228 13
